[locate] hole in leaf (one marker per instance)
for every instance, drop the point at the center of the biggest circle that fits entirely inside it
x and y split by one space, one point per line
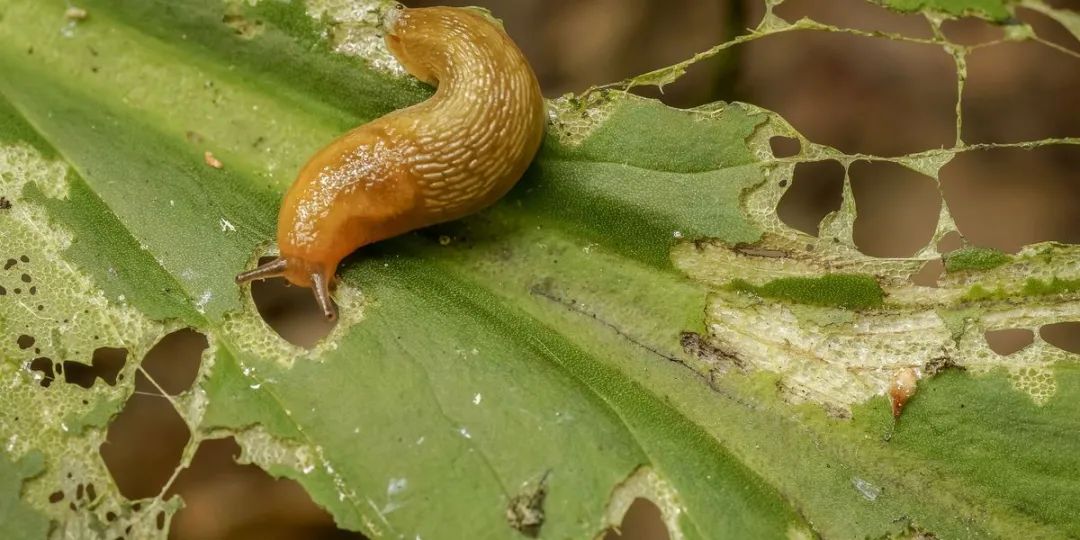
897 208
1063 335
855 14
25 341
816 189
291 311
1009 340
217 492
174 361
45 367
857 94
1049 29
971 31
139 469
642 521
929 274
993 209
952 241
783 147
1034 98
106 364
582 42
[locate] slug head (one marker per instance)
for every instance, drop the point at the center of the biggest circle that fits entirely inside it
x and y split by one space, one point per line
301 273
318 223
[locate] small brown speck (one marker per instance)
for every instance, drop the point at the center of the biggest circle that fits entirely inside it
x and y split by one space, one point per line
212 161
4 203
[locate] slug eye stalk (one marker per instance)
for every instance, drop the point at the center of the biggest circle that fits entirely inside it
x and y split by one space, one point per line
274 268
322 296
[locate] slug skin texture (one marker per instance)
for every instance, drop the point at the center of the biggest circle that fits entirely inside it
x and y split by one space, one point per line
439 160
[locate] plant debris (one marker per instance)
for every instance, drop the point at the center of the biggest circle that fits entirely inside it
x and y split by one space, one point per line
212 161
903 385
525 513
75 14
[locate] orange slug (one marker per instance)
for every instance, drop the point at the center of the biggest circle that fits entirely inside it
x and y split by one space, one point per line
439 160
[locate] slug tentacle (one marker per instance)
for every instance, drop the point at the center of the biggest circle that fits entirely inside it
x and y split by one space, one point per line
274 268
439 160
322 296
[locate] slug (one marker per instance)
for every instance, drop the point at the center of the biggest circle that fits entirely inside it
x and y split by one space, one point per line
447 157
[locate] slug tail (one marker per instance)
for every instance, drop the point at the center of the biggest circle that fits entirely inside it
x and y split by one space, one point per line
274 268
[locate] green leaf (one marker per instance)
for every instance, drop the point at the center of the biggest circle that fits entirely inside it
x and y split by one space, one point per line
996 10
582 337
974 258
847 291
17 518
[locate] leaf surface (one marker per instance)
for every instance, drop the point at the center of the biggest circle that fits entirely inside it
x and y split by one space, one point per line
583 334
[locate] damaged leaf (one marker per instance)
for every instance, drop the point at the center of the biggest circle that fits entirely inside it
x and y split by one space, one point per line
633 320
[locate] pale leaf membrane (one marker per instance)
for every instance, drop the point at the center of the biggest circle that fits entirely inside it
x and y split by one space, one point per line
573 118
354 28
835 356
61 316
351 27
838 357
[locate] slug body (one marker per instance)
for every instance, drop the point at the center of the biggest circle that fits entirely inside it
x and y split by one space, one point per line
442 159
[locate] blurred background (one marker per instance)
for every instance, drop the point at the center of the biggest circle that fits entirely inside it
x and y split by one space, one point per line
856 94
